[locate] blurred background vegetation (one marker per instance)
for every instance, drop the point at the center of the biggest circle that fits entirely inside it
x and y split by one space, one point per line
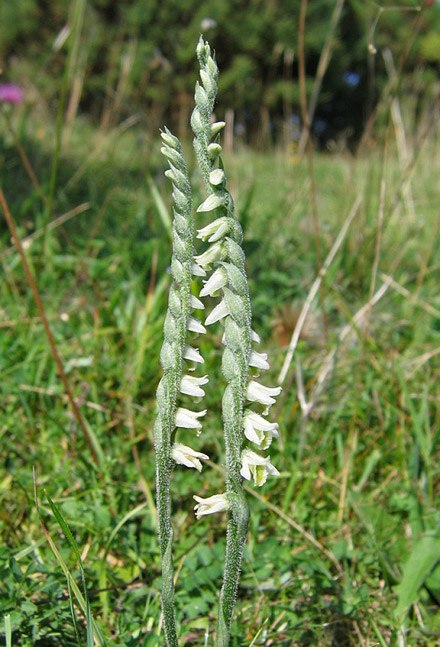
137 58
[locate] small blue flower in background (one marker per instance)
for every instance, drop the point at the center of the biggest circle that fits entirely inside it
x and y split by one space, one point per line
351 78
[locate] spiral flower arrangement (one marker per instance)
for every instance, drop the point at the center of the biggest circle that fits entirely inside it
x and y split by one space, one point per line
223 266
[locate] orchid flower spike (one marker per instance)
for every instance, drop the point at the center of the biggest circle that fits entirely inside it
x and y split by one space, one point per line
222 261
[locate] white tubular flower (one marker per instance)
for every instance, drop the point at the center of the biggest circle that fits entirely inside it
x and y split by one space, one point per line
192 354
221 310
195 303
212 254
188 419
192 385
194 325
216 281
263 394
256 467
212 202
212 504
184 455
259 360
196 270
215 230
259 430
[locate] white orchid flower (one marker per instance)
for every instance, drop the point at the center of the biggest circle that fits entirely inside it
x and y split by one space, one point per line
192 354
259 430
214 253
196 270
216 281
212 202
215 230
191 385
256 467
184 455
195 303
220 311
259 360
194 325
258 393
188 419
215 503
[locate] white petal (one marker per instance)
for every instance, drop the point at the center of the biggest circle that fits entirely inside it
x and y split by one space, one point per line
259 360
215 230
272 470
184 455
259 430
259 422
258 393
245 471
212 202
250 432
255 337
195 303
196 270
192 355
212 228
252 458
212 504
194 325
191 385
221 310
216 281
188 419
213 253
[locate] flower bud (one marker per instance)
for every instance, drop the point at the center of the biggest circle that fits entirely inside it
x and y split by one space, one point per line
214 151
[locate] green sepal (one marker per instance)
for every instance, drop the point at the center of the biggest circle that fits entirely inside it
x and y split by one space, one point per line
237 308
230 366
235 253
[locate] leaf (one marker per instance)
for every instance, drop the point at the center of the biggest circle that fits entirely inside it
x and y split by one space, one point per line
424 556
83 602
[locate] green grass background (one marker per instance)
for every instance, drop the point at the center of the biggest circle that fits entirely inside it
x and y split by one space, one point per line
343 547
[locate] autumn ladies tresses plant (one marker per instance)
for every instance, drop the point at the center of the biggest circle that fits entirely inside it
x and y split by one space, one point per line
225 263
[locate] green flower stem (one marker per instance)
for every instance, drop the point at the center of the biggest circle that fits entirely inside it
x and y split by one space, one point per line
175 327
235 364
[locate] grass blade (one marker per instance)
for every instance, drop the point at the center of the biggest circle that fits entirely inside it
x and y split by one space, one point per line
67 532
424 556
